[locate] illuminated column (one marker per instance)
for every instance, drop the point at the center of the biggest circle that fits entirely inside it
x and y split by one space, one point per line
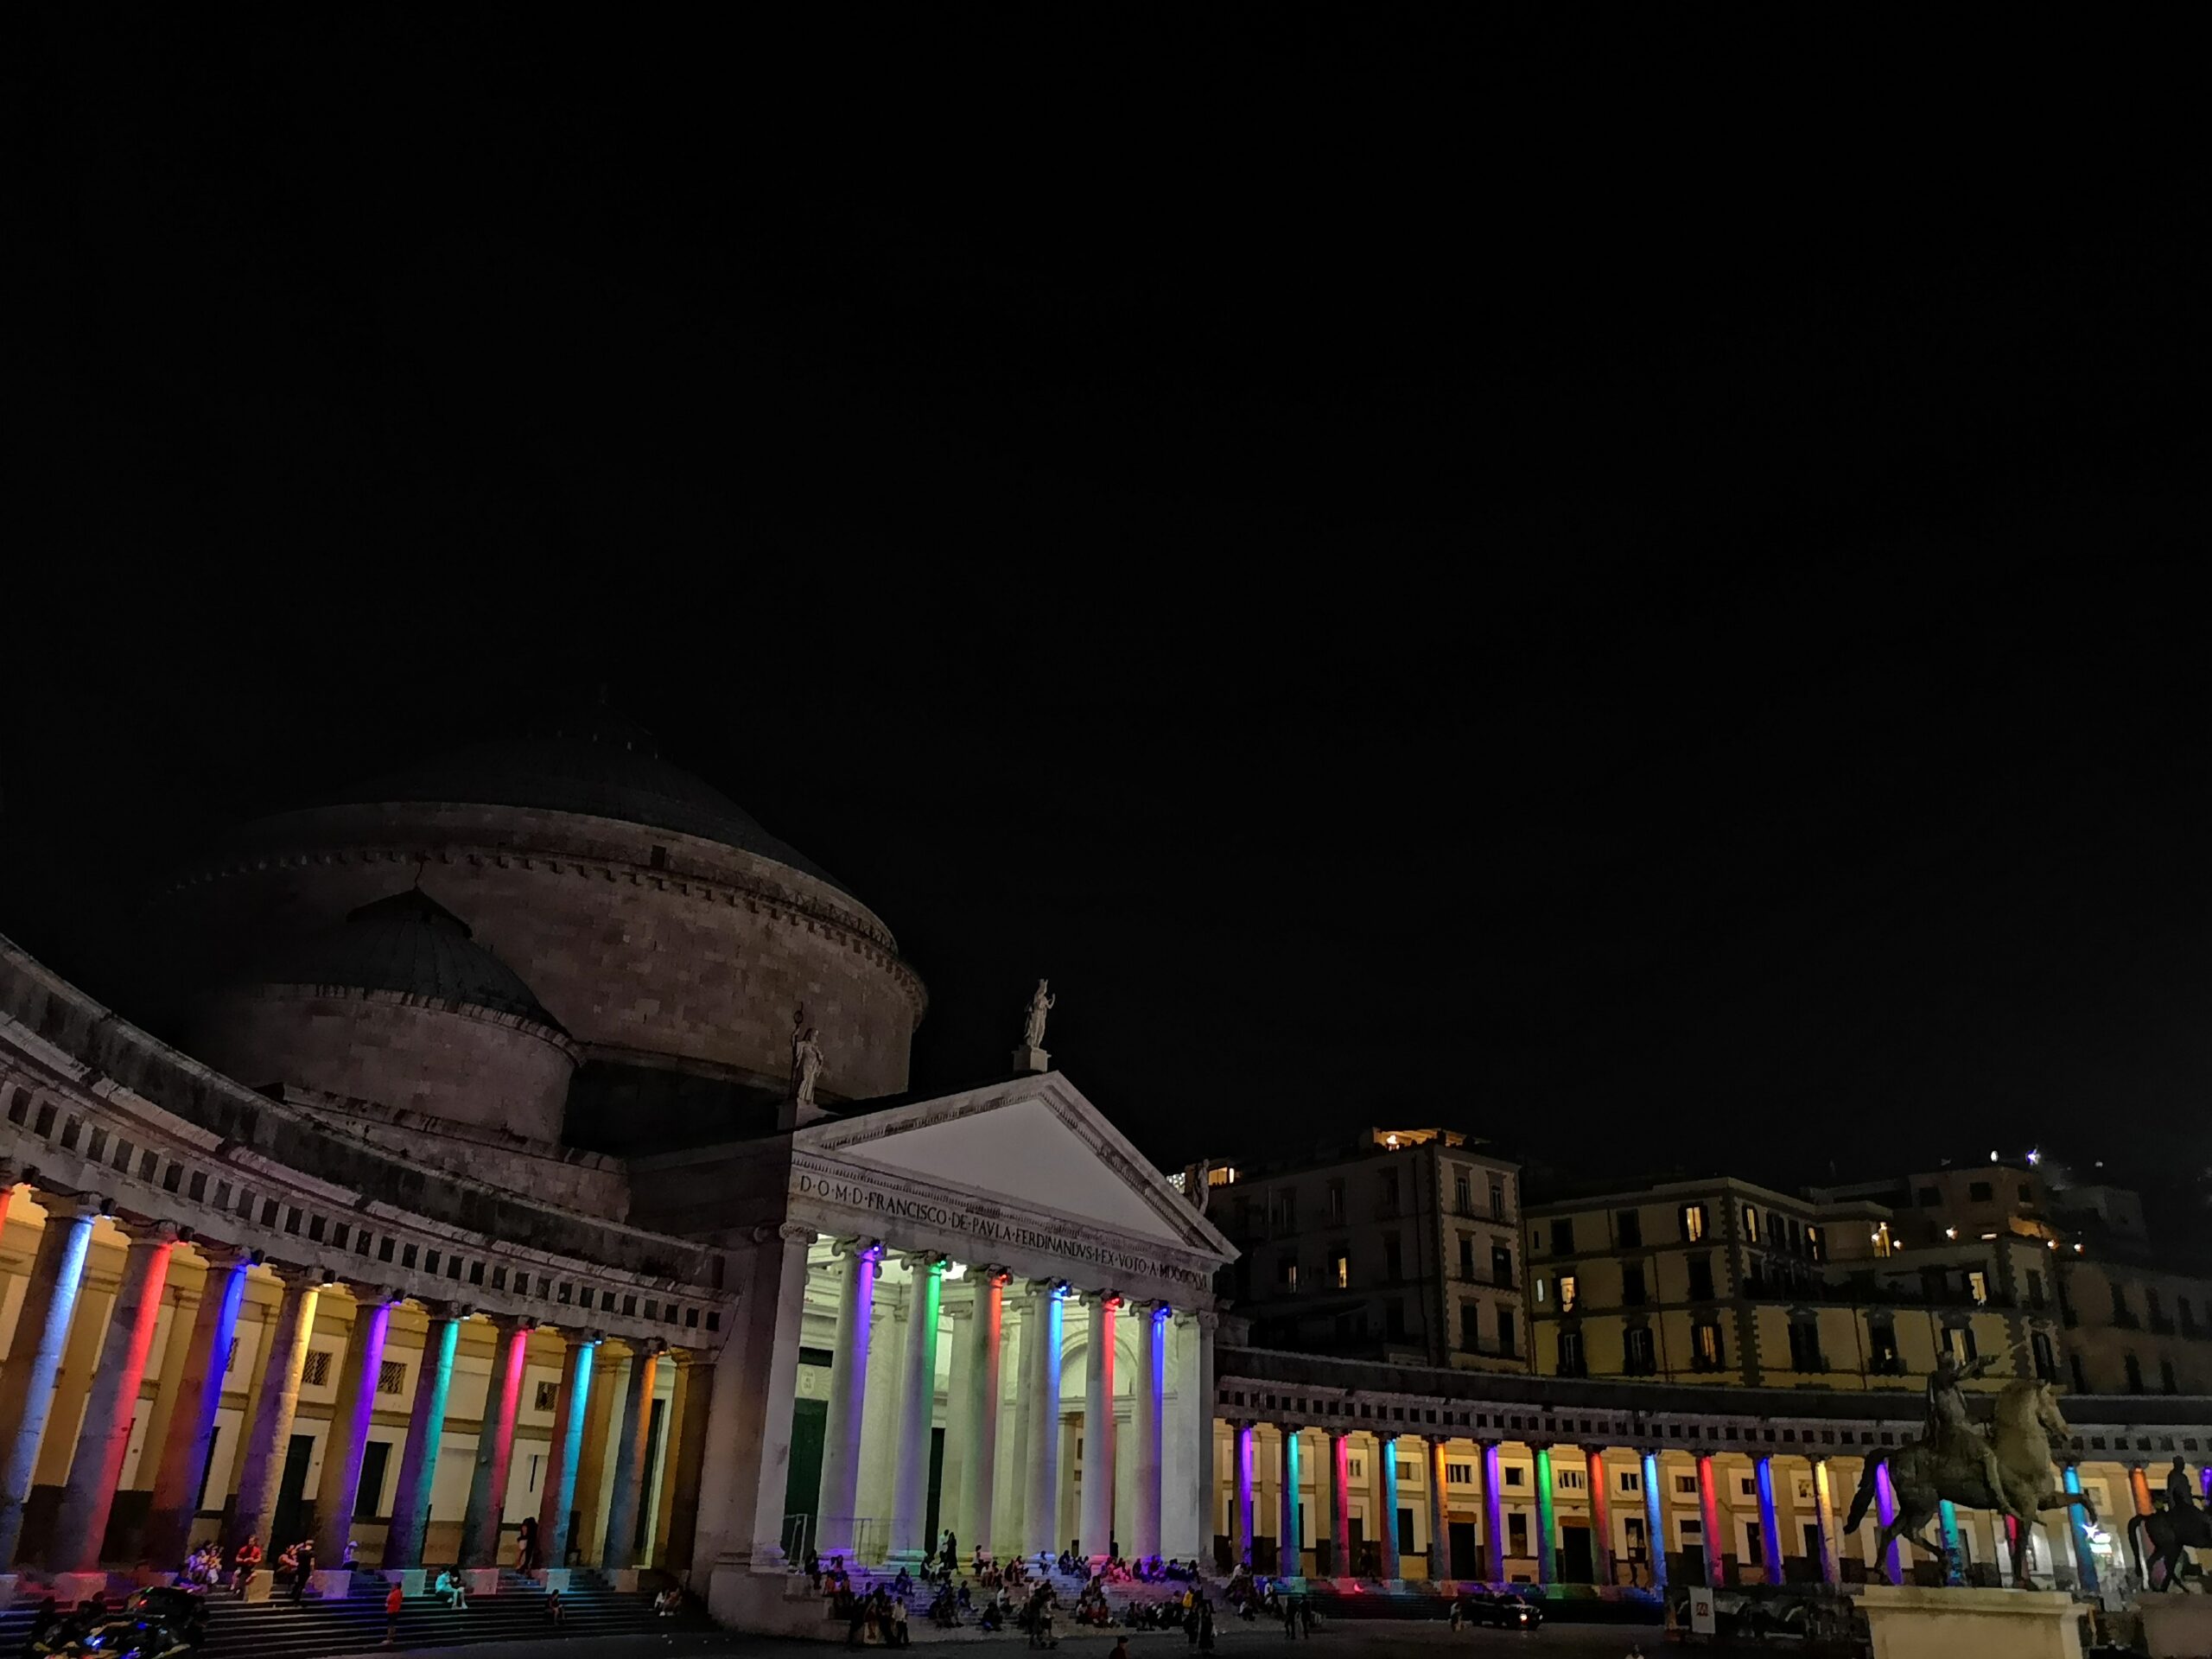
426 1428
57 1275
1150 1401
2085 1559
1338 1563
96 1471
631 1473
2139 1484
270 1443
917 1409
1547 1542
1242 1513
1098 1429
342 1448
1708 1505
1769 1530
1655 1521
1386 1498
1289 1544
184 1450
495 1446
1948 1514
1885 1499
976 1411
1494 1512
1440 1531
557 1505
1824 1511
859 1263
1040 1359
1601 1515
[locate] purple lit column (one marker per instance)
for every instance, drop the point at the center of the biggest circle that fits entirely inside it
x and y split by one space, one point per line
336 1495
1242 1517
26 1380
1494 1512
1886 1500
1151 1403
847 1404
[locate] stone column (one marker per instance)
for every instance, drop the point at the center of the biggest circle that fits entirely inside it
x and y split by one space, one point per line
426 1431
199 1385
556 1504
1547 1518
1494 1538
977 1409
910 1489
80 1527
1386 1499
495 1446
1440 1529
338 1492
1770 1526
1708 1505
2139 1486
1824 1513
1242 1543
1340 1561
1601 1513
1148 1415
1041 1344
2085 1559
630 1471
1655 1520
835 1515
1288 1545
1098 1429
57 1276
261 1474
1204 1323
676 1533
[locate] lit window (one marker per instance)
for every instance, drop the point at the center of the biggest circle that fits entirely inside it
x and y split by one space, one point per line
1567 1293
1978 1286
1340 1270
1692 1222
1632 1480
1751 1224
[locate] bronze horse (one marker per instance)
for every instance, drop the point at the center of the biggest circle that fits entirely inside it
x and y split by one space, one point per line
2171 1535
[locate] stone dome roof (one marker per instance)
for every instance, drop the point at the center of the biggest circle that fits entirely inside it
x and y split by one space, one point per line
597 765
411 944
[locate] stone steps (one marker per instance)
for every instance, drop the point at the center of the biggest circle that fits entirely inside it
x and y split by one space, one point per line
314 1629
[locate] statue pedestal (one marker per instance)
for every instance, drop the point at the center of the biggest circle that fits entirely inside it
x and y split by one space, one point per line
2176 1624
1026 1059
1908 1621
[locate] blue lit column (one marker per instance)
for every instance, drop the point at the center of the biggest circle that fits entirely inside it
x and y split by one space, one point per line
1655 1521
1770 1531
1040 1360
2085 1560
343 1448
426 1430
835 1523
1151 1418
27 1379
183 1463
1386 1488
557 1505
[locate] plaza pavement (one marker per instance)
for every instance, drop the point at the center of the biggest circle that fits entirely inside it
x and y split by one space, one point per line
1361 1637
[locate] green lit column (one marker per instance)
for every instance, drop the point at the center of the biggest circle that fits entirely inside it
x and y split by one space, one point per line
1953 1573
426 1429
1547 1567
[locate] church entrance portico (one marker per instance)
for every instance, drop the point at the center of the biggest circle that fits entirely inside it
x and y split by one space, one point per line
1004 1331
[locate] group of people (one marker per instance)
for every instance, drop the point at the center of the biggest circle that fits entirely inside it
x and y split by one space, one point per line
205 1567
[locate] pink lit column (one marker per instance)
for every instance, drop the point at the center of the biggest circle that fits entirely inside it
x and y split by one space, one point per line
495 1446
1340 1564
1708 1502
1150 1402
348 1440
1098 1429
97 1469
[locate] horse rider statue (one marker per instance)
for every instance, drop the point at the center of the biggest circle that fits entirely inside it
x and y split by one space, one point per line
2172 1532
2010 1473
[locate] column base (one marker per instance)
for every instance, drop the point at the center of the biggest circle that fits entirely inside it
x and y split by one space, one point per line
411 1581
555 1578
1915 1622
70 1588
481 1580
331 1583
7 1582
625 1579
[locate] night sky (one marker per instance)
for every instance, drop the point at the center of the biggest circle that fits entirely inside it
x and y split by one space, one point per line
1414 588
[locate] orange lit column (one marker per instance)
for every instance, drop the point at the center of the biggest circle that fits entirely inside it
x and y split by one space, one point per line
2139 1484
97 1470
495 1446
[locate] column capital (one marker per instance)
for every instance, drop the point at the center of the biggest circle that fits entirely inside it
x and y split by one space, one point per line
1107 1298
796 1232
164 1233
859 1246
1050 1289
219 1256
1207 1319
507 1323
73 1206
650 1347
919 1260
289 1273
367 1293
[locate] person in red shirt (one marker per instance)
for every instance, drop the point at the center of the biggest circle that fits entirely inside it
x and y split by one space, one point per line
245 1563
392 1602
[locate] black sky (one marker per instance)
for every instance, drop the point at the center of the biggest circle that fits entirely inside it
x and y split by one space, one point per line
1414 584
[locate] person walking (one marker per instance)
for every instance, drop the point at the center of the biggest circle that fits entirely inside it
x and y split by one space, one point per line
393 1601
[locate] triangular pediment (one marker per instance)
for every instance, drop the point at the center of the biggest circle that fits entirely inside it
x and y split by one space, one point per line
1035 1143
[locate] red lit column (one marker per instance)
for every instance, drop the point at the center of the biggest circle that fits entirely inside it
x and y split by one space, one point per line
495 1446
1601 1513
1708 1503
97 1469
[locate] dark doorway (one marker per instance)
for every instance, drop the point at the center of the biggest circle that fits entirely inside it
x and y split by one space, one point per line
930 1529
288 1527
1576 1565
1460 1535
214 1444
375 1456
654 1426
803 1485
1405 1535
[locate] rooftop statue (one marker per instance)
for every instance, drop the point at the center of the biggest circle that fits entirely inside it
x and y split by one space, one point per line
806 1061
1040 1004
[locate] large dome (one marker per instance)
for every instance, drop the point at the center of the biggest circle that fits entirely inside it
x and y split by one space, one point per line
412 946
598 765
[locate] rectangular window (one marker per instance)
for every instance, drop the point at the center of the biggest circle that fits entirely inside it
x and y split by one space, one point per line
1693 1224
1632 1480
1805 1346
548 1392
1978 1287
1497 1199
1750 1225
1471 1327
1466 1256
1505 1332
1700 1270
1705 1350
1334 1204
1980 1192
1883 1356
1460 1474
1286 1271
1959 1339
1501 1266
1463 1194
1563 1236
391 1376
1356 1467
1632 1284
315 1373
1516 1475
1389 1191
1340 1267
1393 1258
1637 1351
1568 1287
1572 1480
1685 1486
1628 1226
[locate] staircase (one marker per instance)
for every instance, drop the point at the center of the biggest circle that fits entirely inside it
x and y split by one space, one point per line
314 1629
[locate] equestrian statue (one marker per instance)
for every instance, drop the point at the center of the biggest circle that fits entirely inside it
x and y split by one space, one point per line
2011 1473
2172 1531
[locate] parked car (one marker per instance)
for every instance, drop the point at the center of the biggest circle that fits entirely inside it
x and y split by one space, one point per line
1504 1612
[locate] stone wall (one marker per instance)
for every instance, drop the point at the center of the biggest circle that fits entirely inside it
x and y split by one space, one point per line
638 941
468 1064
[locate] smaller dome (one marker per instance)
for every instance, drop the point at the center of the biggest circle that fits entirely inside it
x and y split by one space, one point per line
413 946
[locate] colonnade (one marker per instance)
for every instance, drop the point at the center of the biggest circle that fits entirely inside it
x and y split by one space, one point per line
75 1379
1718 1517
1007 1497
